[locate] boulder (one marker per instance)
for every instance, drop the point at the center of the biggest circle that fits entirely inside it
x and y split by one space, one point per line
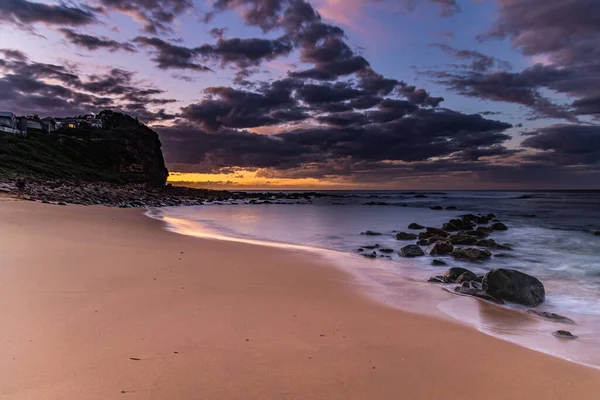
439 247
436 231
471 254
454 273
406 236
462 239
467 276
515 287
438 263
434 239
423 242
491 244
457 225
499 226
436 279
411 250
564 335
370 233
482 220
469 217
437 208
476 233
484 229
551 316
491 216
477 293
414 225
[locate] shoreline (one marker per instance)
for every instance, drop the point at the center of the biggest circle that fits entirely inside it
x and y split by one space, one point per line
111 304
432 298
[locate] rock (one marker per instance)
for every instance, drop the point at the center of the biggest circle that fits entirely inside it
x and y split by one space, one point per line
551 316
440 247
477 293
471 254
438 263
370 255
436 231
436 279
457 225
476 233
462 239
376 203
437 208
406 236
454 273
469 217
484 229
61 203
491 244
371 233
420 196
415 226
423 242
491 216
597 233
499 226
387 251
411 250
564 335
360 250
504 255
467 276
515 287
451 208
434 239
371 247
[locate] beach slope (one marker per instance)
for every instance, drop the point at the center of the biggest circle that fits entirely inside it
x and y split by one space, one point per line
102 303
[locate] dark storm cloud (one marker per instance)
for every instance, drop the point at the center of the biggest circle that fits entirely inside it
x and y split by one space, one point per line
25 89
23 13
156 15
565 33
170 56
474 154
245 52
587 106
566 144
94 42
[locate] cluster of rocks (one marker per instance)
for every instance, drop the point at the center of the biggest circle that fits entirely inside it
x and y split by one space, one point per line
137 195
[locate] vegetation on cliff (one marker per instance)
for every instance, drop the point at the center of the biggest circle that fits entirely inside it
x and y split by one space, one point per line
124 151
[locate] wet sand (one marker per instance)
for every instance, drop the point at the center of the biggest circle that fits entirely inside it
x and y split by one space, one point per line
102 303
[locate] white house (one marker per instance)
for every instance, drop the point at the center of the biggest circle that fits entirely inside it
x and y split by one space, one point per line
9 123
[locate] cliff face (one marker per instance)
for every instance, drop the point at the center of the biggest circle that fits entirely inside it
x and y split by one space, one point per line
125 151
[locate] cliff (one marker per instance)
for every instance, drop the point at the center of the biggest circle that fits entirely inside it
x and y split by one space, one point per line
124 151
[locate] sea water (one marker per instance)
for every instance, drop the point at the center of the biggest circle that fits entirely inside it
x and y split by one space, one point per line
551 234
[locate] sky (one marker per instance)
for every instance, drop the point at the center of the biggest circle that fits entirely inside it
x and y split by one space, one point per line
326 94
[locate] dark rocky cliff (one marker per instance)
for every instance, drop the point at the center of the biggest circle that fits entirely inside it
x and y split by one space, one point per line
124 151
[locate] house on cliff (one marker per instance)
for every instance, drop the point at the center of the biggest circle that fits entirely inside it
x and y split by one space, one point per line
10 123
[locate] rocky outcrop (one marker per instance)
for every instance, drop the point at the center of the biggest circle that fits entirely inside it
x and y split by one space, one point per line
515 287
415 226
471 254
411 251
406 236
440 247
499 226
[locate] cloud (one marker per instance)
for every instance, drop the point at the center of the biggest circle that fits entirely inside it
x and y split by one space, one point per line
156 15
94 42
170 56
22 13
479 61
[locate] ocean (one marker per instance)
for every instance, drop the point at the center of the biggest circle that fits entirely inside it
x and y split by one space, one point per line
551 234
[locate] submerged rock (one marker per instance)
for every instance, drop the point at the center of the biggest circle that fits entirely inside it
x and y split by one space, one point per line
467 276
371 247
370 255
484 229
411 250
437 208
471 254
406 236
454 273
436 279
462 239
438 263
551 316
477 293
439 247
514 286
564 335
415 226
387 251
492 244
370 233
499 226
457 225
451 208
436 231
597 233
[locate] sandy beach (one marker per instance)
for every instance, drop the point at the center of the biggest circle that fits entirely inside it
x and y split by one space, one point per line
103 303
